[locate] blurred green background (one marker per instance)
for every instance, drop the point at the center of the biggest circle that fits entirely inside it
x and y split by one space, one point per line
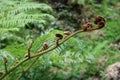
84 56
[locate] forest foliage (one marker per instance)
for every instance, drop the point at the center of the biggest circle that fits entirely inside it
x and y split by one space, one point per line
83 56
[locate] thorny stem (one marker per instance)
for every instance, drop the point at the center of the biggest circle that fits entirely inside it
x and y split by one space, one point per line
39 53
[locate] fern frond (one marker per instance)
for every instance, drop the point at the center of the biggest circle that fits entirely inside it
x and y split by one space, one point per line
15 14
16 22
29 6
8 29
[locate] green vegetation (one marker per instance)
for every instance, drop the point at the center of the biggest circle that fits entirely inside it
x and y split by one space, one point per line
84 56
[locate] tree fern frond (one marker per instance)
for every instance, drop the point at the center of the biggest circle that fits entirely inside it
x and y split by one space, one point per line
5 31
16 22
8 29
35 16
7 5
15 14
29 6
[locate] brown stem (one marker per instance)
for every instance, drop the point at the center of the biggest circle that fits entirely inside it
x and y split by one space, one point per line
28 68
5 64
29 49
57 42
39 53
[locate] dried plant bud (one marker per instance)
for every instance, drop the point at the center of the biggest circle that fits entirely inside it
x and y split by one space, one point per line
89 24
86 26
99 19
1 73
45 46
101 24
5 59
67 33
59 36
